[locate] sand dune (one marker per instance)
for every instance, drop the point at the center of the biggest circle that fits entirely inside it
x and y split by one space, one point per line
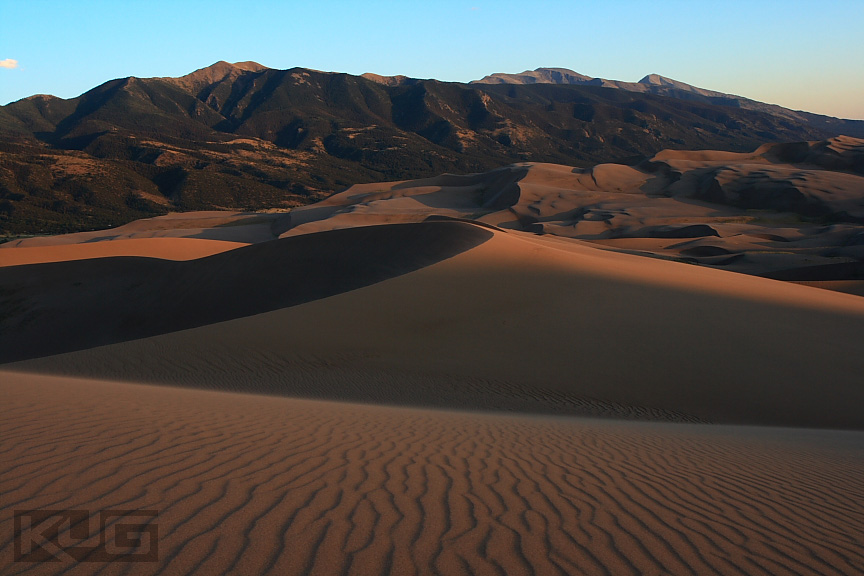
57 307
250 484
848 286
785 210
243 227
777 209
541 323
162 248
641 391
447 195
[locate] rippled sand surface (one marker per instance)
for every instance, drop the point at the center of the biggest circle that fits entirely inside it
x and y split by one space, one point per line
249 484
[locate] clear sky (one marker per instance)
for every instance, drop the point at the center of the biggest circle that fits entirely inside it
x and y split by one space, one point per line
805 55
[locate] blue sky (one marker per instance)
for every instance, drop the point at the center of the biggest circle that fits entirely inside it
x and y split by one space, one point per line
803 55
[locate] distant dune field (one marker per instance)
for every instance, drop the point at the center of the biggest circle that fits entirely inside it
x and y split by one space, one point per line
786 211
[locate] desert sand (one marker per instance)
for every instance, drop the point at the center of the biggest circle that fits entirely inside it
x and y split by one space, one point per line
427 377
241 227
511 317
161 248
248 484
786 211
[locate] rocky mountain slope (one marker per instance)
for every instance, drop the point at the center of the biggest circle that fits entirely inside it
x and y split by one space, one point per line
246 137
662 86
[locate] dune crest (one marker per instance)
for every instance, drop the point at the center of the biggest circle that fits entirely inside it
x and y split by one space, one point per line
163 248
557 326
790 211
63 306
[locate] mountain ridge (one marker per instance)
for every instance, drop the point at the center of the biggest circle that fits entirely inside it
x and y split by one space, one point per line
244 136
665 86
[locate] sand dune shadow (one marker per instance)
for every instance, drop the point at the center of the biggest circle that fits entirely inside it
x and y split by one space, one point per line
53 308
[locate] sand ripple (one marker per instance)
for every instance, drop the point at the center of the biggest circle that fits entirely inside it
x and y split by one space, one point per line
253 484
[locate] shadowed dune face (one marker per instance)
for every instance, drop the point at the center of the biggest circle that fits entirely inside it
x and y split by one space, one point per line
259 485
518 322
58 307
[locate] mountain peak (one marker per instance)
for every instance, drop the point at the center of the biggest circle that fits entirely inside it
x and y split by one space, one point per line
658 80
41 97
216 73
249 66
537 76
221 69
662 83
398 80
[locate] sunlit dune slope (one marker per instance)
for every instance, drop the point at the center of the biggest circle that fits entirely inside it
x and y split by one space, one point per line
516 322
162 248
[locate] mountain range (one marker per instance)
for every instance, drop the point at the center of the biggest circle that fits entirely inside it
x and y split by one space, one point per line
662 86
244 136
